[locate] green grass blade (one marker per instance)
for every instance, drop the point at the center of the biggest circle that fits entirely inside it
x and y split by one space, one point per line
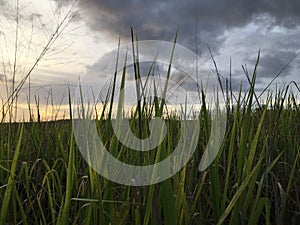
10 182
238 193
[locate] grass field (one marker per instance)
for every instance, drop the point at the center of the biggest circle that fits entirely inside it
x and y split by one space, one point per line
255 179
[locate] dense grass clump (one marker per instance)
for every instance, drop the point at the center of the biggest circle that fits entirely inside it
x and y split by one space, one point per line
255 179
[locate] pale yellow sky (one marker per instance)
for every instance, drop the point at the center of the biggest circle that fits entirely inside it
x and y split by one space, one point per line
77 48
68 58
72 52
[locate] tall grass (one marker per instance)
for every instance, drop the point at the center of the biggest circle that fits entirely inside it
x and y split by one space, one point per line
253 180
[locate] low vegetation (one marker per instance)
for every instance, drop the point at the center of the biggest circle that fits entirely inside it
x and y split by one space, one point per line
255 179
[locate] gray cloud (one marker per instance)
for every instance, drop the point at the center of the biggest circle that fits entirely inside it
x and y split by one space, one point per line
276 28
153 18
274 62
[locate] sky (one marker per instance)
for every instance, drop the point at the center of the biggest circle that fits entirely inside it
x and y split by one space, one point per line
234 30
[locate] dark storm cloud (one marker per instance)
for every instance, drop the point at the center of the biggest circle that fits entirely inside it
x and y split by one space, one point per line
275 62
160 19
152 18
272 64
215 22
285 13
